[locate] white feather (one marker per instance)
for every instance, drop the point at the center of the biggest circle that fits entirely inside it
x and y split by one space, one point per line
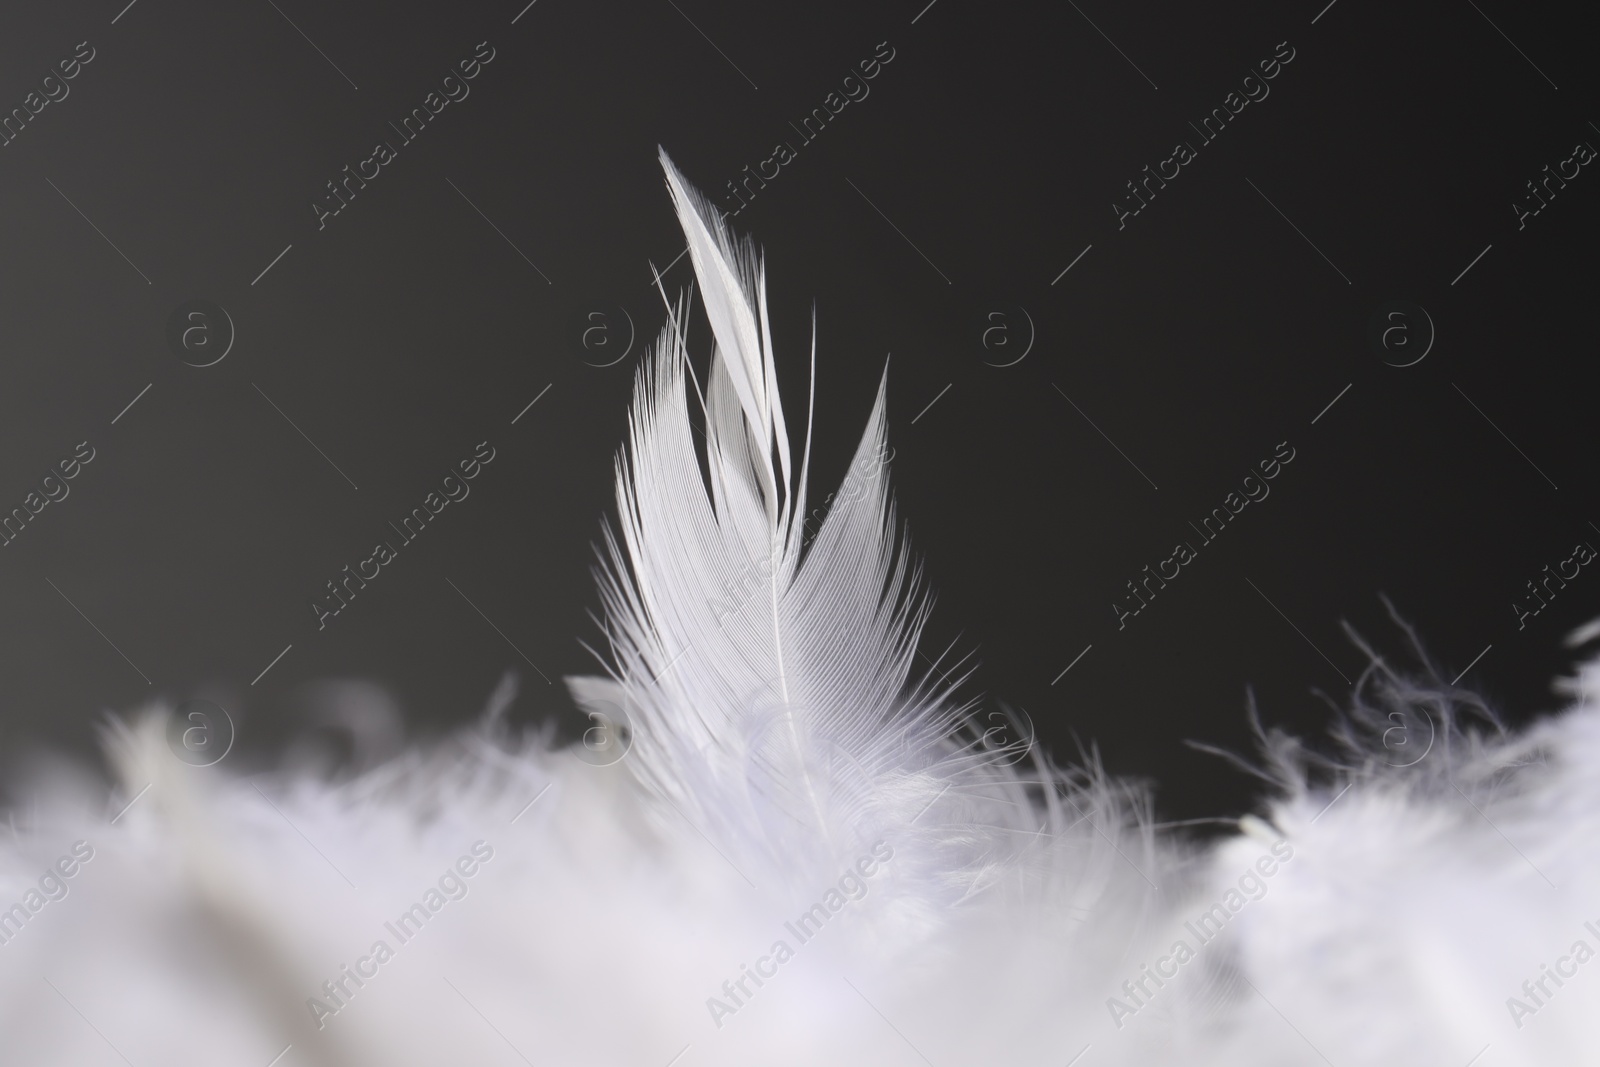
771 688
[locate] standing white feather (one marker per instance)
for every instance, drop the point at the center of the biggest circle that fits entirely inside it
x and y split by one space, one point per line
770 682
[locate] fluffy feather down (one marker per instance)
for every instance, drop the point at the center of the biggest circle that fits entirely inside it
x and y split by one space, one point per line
781 736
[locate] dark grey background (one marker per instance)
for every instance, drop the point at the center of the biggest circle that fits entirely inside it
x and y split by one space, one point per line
983 162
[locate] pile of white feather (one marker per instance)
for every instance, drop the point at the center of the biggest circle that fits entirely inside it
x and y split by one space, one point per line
785 844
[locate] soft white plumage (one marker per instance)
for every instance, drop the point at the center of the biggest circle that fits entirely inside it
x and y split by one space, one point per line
784 757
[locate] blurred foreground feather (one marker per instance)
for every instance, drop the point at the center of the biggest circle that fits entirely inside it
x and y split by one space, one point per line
788 846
